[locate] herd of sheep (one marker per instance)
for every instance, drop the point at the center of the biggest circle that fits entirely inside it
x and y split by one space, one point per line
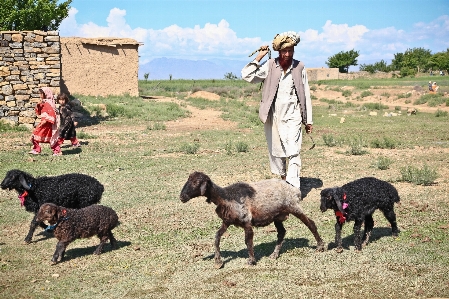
69 204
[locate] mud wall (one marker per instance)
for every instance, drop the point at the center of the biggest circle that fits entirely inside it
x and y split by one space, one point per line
28 60
99 66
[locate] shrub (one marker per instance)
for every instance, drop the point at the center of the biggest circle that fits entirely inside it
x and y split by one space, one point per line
397 108
432 100
157 126
346 93
313 87
114 110
382 163
189 148
440 113
366 93
386 143
374 106
241 147
83 135
329 140
5 127
385 94
405 71
228 147
425 176
404 95
447 102
357 145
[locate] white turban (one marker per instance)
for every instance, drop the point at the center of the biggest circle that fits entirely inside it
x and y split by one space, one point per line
285 39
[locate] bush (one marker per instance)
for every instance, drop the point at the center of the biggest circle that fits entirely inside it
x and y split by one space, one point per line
366 93
5 127
114 110
404 95
157 126
386 143
432 100
382 163
313 87
84 135
425 176
329 140
346 93
405 71
397 108
241 147
385 94
440 113
357 145
189 148
374 106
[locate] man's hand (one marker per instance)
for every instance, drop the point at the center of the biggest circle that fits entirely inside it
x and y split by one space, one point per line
309 128
263 50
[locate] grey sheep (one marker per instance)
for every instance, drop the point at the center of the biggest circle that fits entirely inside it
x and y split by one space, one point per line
357 201
249 205
72 224
72 190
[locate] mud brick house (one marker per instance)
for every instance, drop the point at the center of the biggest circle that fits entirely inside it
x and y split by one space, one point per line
99 66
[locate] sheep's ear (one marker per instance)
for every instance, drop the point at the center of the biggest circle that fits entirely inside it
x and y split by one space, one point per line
203 188
24 182
337 199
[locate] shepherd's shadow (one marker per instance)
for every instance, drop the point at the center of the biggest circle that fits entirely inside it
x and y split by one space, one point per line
307 184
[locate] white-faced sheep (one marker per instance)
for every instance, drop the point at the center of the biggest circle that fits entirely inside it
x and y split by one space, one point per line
357 201
71 190
249 205
72 224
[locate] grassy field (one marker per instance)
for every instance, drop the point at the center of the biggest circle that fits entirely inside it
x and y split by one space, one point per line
143 149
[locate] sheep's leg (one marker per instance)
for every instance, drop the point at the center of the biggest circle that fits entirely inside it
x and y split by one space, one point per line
338 227
369 224
281 234
391 217
249 234
103 240
357 235
220 232
33 226
312 227
59 252
112 240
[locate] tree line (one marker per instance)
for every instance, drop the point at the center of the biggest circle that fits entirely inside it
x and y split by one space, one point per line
412 61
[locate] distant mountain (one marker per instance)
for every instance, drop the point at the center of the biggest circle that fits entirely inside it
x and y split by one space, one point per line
162 68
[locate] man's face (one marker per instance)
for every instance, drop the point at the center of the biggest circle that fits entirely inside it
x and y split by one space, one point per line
287 53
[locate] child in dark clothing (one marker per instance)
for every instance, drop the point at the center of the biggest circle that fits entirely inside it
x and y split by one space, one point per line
68 122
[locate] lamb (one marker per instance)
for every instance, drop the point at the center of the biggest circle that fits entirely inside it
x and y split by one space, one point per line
71 190
357 201
249 205
72 224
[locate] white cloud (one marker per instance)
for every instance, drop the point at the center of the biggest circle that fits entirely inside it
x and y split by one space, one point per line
221 41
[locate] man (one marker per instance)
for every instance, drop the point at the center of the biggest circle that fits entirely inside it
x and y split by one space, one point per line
285 104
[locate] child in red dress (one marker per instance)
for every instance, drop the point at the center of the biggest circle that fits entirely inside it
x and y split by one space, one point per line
46 130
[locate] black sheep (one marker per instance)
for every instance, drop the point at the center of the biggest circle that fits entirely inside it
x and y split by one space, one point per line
357 201
72 224
71 190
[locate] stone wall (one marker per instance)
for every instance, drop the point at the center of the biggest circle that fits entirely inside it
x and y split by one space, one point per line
100 66
28 60
315 74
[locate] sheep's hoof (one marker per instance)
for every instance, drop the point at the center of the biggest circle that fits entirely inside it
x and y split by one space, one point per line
251 262
26 242
320 247
53 263
218 265
274 255
339 249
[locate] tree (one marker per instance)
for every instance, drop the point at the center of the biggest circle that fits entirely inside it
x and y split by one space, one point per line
145 76
21 15
416 58
230 76
343 60
380 66
440 60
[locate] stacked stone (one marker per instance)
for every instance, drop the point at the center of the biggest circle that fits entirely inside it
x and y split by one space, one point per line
28 60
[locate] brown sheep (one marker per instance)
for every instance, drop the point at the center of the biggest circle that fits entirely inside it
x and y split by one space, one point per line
72 224
249 205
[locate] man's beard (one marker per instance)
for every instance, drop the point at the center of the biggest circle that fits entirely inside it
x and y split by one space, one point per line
285 62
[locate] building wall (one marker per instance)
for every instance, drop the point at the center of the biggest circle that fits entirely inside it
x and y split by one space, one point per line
315 74
99 66
28 60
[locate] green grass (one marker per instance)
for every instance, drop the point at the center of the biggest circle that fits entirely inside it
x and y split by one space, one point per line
166 247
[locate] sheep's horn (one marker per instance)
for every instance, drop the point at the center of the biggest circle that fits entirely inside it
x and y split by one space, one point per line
24 182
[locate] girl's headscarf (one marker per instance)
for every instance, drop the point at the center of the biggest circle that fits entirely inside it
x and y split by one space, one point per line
48 96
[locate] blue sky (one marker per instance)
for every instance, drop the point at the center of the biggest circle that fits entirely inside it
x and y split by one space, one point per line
232 29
